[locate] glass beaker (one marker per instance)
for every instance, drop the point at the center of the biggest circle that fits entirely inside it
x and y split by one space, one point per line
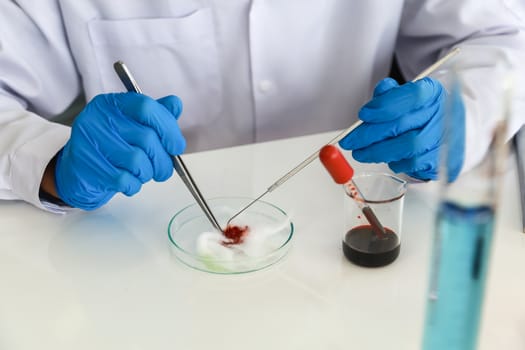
362 243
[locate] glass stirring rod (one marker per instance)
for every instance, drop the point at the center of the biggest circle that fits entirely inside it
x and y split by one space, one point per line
339 137
179 166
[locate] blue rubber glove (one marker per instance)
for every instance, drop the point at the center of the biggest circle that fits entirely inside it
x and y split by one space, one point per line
118 142
404 127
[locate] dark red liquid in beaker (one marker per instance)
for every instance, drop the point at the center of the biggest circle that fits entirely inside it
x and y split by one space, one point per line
362 246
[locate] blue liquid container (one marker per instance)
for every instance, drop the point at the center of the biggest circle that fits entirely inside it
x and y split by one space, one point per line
464 225
460 258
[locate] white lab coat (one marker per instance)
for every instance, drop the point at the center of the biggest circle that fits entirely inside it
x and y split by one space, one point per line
246 70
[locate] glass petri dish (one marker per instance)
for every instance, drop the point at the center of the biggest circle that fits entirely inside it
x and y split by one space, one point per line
194 243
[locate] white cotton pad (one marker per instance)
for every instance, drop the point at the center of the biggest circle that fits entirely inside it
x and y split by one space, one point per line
210 244
259 242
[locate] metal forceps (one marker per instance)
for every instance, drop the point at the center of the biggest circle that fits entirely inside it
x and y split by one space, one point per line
131 85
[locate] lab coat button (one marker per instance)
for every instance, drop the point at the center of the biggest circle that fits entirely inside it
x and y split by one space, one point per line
265 86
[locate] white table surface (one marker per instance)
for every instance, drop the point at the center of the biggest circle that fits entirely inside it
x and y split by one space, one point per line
107 280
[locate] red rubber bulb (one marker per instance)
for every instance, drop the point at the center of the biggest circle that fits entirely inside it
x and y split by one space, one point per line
336 164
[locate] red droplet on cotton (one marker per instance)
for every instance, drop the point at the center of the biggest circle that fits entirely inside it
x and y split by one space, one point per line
235 234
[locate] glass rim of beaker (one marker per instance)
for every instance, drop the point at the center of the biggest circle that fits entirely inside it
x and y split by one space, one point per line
382 201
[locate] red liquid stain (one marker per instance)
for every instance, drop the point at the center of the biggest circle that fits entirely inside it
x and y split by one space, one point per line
235 234
359 216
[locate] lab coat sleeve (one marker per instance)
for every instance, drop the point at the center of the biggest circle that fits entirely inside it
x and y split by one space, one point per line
483 30
38 80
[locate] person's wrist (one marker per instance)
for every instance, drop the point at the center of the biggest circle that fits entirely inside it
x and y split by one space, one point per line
48 191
